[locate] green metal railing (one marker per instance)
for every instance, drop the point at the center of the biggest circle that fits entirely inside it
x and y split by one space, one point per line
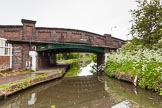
70 46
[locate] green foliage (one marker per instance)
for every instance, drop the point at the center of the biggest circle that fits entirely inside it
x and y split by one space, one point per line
5 87
111 68
146 64
30 71
150 78
160 92
141 56
94 57
66 56
21 84
73 71
147 22
53 106
75 58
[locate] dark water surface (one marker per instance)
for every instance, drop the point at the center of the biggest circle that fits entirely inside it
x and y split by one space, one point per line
84 92
78 92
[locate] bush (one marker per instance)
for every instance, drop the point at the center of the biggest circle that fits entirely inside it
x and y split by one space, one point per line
146 64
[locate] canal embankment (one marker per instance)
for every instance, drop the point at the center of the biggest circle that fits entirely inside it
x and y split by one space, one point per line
142 66
84 91
15 83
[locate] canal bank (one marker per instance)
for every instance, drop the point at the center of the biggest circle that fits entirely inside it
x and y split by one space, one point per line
83 92
15 83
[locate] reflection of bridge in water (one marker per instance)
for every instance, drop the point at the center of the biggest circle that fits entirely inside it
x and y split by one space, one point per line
72 92
82 92
78 92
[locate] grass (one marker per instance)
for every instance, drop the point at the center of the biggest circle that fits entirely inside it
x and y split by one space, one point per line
20 84
73 71
70 61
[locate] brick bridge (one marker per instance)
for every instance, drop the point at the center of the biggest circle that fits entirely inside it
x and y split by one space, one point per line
36 47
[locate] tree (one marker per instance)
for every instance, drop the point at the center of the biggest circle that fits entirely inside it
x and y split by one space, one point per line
147 22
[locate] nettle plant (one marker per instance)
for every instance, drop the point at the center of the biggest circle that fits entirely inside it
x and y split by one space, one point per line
144 63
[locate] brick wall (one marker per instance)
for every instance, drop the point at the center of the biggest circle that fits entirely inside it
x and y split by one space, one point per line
28 32
12 34
21 59
28 29
4 62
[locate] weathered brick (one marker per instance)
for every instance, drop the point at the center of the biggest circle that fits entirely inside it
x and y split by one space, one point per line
28 33
4 62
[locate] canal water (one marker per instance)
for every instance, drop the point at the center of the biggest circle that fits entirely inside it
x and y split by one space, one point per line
81 91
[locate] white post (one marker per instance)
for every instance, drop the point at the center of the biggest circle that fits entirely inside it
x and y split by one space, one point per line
10 53
33 55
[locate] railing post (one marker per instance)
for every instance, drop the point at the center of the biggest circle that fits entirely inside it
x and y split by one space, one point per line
10 53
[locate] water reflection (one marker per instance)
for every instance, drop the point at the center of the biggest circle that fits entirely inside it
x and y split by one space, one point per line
86 70
123 104
139 98
33 99
78 92
84 92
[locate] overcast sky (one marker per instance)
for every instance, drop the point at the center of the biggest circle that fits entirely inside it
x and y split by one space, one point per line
98 16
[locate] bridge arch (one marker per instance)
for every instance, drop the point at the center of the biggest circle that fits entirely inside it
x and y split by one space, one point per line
47 53
27 37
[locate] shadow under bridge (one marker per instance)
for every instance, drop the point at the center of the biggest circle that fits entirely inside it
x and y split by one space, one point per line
47 52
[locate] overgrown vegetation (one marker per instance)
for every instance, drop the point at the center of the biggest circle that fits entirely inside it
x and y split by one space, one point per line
142 56
74 60
146 64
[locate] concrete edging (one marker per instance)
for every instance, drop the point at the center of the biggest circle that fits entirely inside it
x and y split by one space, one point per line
34 82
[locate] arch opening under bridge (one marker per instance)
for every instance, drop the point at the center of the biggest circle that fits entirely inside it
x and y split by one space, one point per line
47 53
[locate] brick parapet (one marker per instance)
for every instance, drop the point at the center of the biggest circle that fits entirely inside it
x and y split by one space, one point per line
28 32
22 37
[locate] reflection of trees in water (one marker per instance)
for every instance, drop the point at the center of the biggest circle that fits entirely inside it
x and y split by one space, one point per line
81 68
120 91
82 91
20 101
88 69
75 92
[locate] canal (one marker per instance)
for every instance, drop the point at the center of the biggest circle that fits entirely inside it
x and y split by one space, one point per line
84 91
